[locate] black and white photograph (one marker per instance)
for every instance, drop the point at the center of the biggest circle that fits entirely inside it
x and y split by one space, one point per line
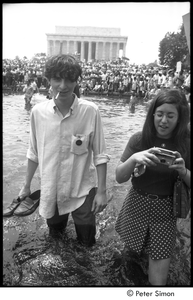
96 149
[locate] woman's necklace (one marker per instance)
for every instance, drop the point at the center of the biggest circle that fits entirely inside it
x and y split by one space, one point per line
163 145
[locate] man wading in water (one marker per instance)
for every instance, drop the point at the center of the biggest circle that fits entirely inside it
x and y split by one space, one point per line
68 145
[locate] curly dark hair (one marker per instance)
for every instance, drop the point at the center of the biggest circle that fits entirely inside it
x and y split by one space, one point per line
181 132
64 66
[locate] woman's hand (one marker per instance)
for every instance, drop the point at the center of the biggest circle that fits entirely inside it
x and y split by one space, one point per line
125 169
179 164
147 157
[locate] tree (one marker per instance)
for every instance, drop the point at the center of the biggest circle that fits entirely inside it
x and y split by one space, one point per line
173 48
153 64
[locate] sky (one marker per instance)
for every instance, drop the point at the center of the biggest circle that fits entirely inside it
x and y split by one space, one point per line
145 24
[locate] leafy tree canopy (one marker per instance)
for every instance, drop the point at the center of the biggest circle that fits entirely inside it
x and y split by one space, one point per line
174 48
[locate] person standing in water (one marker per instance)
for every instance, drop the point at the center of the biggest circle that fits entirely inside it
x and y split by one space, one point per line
67 143
28 90
146 220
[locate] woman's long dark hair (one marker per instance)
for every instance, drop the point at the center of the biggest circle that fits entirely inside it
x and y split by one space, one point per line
181 132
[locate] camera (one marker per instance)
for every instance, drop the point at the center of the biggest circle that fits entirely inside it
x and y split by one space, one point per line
166 157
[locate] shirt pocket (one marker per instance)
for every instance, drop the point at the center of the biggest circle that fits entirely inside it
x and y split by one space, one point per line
79 144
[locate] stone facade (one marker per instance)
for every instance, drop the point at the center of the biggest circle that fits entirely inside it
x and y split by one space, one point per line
90 43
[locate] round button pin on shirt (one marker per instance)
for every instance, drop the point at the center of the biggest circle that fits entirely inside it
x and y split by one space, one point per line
79 142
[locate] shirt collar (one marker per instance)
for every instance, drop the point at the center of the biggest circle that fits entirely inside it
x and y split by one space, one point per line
72 108
74 104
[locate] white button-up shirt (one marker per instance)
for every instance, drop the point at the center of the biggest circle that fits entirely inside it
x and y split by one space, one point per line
67 149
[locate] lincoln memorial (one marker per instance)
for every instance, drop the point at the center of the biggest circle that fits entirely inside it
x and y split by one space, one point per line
90 43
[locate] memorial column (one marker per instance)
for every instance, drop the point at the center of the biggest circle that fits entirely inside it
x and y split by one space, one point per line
54 50
89 50
97 49
124 49
82 51
75 47
118 45
61 46
104 51
67 47
111 51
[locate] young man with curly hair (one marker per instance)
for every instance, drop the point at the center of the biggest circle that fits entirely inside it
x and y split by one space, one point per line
68 145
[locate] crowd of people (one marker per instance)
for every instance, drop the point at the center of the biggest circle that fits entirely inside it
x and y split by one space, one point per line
122 78
102 77
18 72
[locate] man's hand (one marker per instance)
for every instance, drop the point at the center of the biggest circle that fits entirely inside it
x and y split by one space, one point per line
99 202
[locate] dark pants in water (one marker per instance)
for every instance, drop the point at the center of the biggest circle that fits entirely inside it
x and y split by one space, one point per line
84 220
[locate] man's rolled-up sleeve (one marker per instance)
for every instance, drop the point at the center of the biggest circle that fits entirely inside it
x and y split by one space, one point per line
32 152
100 159
99 146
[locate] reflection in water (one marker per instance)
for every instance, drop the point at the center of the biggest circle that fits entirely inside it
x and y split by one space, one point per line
31 257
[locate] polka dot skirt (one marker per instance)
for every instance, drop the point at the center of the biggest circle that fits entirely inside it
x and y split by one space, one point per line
147 224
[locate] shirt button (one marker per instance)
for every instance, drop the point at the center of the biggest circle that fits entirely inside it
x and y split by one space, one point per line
79 142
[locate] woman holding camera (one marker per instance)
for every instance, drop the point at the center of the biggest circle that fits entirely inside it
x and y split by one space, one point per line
146 220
